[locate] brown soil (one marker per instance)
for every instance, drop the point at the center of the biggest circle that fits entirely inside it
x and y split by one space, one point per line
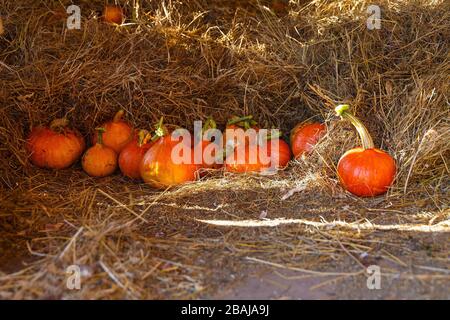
194 259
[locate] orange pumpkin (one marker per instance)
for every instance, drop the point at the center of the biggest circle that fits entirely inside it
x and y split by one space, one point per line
99 160
56 146
279 157
113 14
259 157
364 171
243 159
118 133
305 136
159 169
131 156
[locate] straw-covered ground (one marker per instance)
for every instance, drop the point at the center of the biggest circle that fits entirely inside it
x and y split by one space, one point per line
187 60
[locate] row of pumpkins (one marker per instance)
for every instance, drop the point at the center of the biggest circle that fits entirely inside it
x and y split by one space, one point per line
364 171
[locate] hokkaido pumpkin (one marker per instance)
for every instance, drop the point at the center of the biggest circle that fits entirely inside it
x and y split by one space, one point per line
113 14
364 171
99 160
259 157
159 169
56 146
131 156
305 136
279 157
118 133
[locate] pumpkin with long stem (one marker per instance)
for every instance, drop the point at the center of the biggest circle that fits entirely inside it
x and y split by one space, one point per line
364 171
56 146
118 133
158 167
131 156
304 137
99 160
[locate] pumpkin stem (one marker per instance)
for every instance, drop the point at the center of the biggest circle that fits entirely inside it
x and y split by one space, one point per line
143 136
366 139
236 120
100 132
59 123
269 136
246 122
209 124
160 130
119 114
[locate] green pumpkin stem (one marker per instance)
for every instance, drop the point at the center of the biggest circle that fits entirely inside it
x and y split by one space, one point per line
160 130
118 116
209 124
366 139
100 132
236 120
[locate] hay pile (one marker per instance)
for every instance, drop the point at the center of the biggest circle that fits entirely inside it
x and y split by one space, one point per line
190 60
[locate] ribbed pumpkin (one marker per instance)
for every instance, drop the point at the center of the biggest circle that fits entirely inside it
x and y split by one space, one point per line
118 133
99 160
159 169
364 171
131 156
56 146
